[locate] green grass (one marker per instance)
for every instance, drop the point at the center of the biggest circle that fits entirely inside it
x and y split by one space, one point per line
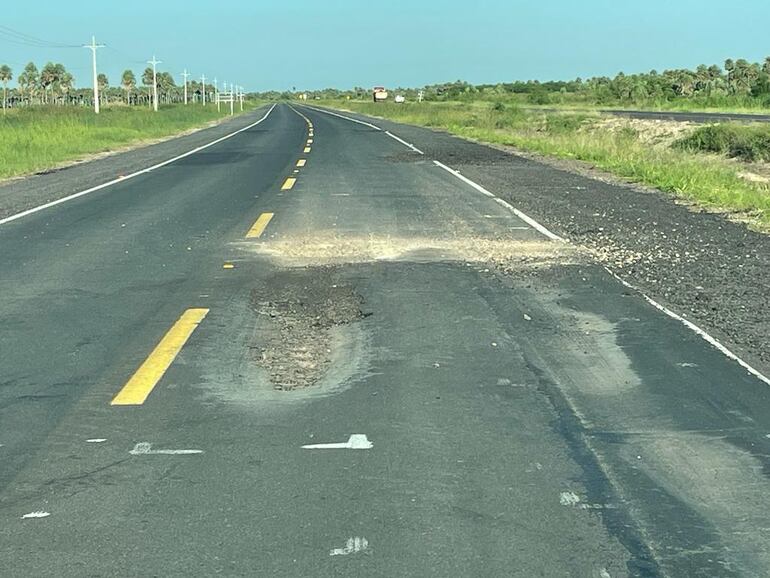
706 179
40 138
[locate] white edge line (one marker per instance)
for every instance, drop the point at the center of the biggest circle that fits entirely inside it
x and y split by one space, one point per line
403 142
387 132
690 325
130 176
527 219
370 125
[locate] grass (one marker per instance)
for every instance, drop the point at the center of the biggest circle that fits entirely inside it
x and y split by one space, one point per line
40 138
683 171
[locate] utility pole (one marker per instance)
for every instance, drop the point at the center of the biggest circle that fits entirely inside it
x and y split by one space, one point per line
154 63
185 74
216 91
240 96
203 88
93 47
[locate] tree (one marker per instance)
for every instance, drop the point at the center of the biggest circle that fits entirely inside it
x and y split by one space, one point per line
103 83
66 80
165 83
28 80
147 81
6 75
48 76
128 82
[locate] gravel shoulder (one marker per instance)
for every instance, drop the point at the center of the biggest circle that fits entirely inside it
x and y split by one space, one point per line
20 194
706 267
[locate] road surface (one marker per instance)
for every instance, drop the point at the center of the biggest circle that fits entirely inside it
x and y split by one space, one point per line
673 115
179 350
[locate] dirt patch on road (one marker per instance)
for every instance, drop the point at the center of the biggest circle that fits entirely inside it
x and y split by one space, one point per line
325 248
301 307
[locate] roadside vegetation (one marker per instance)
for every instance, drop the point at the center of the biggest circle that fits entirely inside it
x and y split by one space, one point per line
736 85
41 137
750 143
673 162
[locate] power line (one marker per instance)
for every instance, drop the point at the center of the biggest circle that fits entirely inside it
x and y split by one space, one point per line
23 39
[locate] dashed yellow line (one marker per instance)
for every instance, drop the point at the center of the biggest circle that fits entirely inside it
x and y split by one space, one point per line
301 162
141 384
228 266
307 150
288 184
259 226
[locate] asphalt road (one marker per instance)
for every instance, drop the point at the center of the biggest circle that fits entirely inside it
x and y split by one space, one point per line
680 116
696 117
524 413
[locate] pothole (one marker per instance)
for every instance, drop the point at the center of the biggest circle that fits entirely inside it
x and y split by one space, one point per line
301 308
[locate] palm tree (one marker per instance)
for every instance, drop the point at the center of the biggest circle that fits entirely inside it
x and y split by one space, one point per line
65 83
28 80
103 83
48 76
730 68
147 81
128 82
6 75
165 84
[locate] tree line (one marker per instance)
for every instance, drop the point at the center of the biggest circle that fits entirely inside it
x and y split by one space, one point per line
738 82
53 84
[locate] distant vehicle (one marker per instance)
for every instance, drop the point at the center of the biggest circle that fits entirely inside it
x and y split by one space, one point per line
379 94
399 99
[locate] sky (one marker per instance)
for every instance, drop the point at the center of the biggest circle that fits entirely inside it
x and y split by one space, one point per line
312 44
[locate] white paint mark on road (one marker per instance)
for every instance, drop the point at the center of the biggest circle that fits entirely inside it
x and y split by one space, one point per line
604 574
38 514
132 175
96 440
569 499
370 125
352 546
403 142
355 442
690 325
144 448
527 219
687 364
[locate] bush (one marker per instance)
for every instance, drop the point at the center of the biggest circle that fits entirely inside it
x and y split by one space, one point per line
745 142
564 123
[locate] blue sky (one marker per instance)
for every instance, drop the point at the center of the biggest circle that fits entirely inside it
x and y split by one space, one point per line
343 43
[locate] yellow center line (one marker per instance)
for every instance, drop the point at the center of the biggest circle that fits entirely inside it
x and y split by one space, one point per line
288 184
259 226
141 384
307 150
301 162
